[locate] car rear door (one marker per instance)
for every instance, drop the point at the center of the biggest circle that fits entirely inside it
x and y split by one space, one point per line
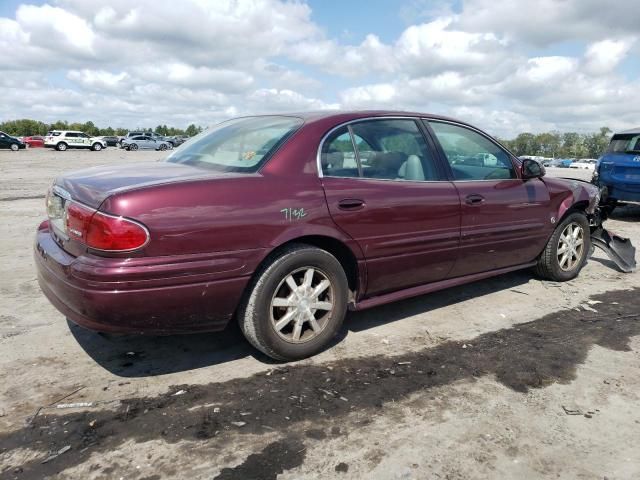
506 221
385 188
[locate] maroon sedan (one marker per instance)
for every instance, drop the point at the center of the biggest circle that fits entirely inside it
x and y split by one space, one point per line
285 222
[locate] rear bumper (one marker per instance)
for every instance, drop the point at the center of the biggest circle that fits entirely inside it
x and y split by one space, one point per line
152 299
625 192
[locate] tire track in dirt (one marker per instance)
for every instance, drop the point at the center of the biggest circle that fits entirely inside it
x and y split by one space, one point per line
290 398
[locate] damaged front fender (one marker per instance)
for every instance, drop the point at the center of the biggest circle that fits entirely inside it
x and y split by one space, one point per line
618 249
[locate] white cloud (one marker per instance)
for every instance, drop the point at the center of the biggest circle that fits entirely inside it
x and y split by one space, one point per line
100 79
507 65
603 56
545 22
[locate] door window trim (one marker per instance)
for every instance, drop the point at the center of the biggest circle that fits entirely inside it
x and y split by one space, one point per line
426 121
418 121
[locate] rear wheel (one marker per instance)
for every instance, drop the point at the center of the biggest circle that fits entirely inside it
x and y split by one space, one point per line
61 147
163 147
96 147
296 303
566 251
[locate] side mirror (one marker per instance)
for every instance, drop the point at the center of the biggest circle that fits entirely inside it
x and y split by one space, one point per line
532 169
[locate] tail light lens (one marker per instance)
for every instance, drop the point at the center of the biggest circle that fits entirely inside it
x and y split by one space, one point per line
106 232
101 231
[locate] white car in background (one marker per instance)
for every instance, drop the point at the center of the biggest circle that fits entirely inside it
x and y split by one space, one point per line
63 139
584 164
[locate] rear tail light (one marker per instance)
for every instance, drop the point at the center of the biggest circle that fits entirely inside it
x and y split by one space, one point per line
106 232
102 231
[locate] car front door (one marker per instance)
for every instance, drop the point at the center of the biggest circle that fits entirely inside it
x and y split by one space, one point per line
85 139
506 221
4 141
386 189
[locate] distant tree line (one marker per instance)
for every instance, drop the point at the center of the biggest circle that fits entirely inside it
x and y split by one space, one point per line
561 145
25 127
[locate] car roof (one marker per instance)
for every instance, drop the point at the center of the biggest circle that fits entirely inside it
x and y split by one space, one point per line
633 131
355 114
341 116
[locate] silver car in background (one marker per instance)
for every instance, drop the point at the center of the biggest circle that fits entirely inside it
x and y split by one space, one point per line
145 142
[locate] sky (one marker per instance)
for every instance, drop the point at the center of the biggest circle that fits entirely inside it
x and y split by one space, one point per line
507 66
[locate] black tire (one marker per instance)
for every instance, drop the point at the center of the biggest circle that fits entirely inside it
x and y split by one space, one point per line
61 147
256 314
14 147
133 146
163 147
96 147
549 265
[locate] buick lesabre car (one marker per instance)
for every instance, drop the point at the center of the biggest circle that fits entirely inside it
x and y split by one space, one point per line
285 222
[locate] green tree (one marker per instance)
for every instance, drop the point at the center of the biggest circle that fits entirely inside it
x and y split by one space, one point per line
193 130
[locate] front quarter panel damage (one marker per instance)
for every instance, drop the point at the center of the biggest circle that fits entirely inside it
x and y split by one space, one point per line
567 193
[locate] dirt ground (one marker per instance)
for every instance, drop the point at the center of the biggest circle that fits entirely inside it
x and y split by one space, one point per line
511 377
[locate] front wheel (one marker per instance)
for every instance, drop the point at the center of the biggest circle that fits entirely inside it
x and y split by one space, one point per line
566 251
15 147
133 146
296 303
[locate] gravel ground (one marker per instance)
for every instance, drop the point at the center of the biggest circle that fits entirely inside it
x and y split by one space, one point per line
510 377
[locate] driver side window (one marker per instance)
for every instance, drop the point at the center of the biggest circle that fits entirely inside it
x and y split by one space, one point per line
471 155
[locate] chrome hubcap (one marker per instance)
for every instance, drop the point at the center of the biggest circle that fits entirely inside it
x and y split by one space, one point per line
302 305
570 246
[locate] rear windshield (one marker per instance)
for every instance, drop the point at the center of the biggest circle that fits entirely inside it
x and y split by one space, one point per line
625 142
53 134
238 145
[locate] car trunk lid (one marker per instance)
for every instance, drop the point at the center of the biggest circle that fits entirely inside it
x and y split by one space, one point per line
92 186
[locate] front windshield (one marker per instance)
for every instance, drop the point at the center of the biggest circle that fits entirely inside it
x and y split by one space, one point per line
238 145
625 142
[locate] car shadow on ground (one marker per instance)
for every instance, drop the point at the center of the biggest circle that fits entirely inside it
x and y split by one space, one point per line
142 356
627 213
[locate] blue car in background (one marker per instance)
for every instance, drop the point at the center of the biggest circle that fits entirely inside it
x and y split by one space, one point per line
617 172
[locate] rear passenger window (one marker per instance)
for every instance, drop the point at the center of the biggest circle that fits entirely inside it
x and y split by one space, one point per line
338 156
394 150
471 155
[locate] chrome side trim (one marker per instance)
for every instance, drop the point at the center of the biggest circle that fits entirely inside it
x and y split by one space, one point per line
61 192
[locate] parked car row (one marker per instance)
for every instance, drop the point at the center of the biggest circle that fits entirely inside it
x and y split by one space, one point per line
62 140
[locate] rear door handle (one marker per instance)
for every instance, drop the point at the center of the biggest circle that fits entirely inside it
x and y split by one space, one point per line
351 204
474 199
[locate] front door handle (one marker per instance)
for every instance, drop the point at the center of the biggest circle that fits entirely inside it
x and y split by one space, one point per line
351 204
474 199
